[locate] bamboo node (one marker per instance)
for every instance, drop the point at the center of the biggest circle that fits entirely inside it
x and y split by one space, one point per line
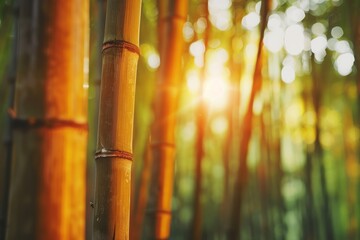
121 44
109 153
29 123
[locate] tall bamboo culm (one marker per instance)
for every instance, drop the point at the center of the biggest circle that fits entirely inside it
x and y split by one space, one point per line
8 136
201 117
242 173
172 16
49 123
113 158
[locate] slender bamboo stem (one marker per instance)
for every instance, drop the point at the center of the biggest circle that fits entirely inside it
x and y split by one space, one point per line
232 114
264 173
310 223
201 126
318 154
115 132
142 200
246 130
352 174
47 192
94 85
8 139
172 16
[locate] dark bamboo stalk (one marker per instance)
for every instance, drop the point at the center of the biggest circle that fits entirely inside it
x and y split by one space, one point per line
142 199
246 130
47 194
351 177
232 113
8 138
113 157
318 154
264 173
94 85
353 8
310 221
309 215
201 126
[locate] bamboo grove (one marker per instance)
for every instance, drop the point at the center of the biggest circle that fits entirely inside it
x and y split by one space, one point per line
172 119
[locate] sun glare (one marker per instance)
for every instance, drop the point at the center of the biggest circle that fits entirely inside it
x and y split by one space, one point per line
344 63
294 39
153 60
219 125
215 93
193 81
288 74
274 40
220 14
251 20
197 48
295 14
188 31
274 22
337 32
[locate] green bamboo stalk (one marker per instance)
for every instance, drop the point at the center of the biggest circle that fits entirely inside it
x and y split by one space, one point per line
318 153
310 224
8 138
98 10
352 174
115 132
49 122
264 176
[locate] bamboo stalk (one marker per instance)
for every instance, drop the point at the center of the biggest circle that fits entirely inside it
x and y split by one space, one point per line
246 131
99 10
318 154
47 193
232 113
201 125
264 176
137 223
310 220
172 16
352 174
114 148
310 223
8 138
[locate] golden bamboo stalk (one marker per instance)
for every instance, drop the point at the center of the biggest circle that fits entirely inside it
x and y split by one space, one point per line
172 16
115 132
47 193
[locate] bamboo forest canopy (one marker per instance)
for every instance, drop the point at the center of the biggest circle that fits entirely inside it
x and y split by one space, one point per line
266 142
